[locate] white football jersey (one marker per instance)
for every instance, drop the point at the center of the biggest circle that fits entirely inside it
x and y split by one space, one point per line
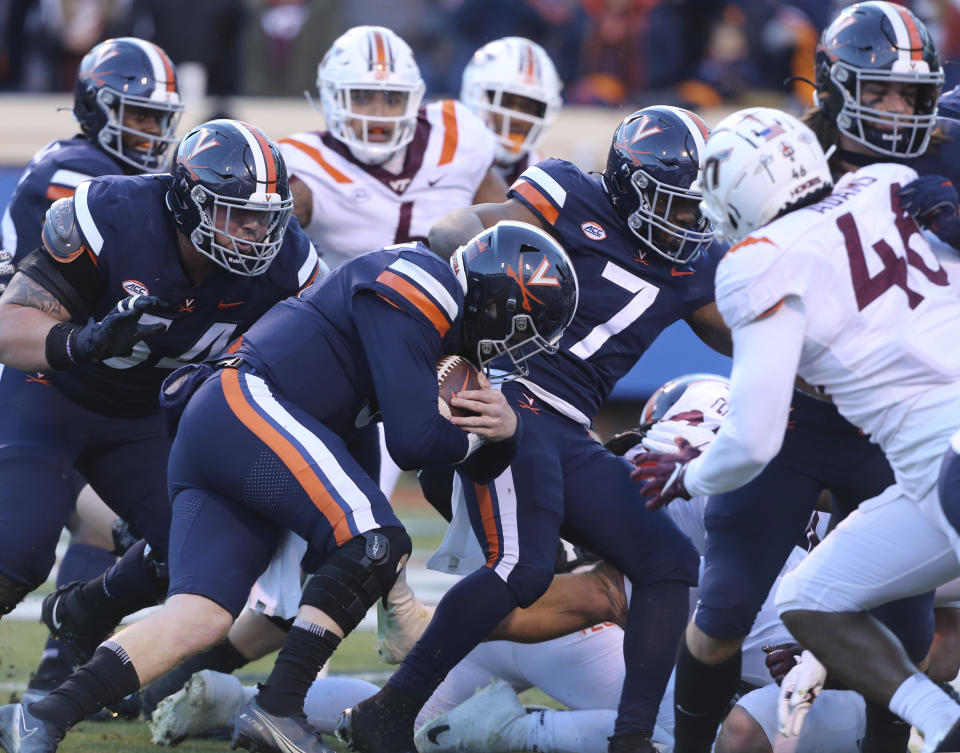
881 317
359 208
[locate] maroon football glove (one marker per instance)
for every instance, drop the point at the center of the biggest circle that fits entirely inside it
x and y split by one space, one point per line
781 658
661 474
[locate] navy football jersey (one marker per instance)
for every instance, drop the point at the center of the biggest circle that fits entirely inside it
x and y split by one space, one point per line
53 173
628 293
131 237
949 103
941 157
316 351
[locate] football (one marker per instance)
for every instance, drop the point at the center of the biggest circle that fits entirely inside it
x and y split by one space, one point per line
454 375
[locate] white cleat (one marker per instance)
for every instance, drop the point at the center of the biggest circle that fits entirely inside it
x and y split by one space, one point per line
402 623
208 701
492 721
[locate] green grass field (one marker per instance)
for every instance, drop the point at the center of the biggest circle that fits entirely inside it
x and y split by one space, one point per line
22 642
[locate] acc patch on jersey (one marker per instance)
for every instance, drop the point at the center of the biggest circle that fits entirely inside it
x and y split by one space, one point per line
593 231
135 287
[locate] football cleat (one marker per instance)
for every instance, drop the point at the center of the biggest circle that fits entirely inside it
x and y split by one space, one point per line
208 701
67 620
493 720
261 732
22 732
401 622
374 726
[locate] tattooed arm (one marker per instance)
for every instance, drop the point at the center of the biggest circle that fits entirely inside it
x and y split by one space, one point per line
27 313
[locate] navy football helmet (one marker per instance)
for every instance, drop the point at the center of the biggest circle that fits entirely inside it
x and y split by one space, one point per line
520 294
231 195
654 160
124 83
878 42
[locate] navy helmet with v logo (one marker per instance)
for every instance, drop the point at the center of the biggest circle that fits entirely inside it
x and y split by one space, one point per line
520 294
231 195
654 160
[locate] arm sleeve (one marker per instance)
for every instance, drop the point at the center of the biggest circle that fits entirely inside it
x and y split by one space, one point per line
766 354
402 353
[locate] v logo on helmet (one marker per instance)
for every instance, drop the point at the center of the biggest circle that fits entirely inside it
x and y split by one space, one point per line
644 129
205 140
101 57
540 276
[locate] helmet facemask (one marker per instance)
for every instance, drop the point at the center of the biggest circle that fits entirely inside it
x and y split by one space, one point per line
340 103
263 220
655 221
513 142
149 153
893 134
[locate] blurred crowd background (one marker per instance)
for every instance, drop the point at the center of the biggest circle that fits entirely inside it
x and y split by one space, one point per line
697 53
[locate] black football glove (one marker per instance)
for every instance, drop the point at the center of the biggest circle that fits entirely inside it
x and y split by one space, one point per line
932 201
117 332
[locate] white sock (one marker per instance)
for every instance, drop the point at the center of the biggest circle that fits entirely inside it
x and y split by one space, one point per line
328 696
923 704
552 731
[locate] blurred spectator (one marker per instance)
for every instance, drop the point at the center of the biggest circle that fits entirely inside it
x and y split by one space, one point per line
641 48
287 38
44 40
203 38
558 26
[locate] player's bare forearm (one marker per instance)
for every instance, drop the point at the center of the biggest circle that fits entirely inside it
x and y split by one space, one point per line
453 230
574 601
27 312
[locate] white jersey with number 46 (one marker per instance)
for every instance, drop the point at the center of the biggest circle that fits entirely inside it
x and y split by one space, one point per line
882 323
359 208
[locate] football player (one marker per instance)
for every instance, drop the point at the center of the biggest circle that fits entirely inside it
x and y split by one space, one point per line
135 276
877 79
127 103
799 299
388 163
643 255
513 86
260 449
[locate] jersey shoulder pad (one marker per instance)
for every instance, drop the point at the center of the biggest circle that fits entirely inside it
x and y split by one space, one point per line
949 104
464 136
421 283
752 279
61 233
885 172
297 265
550 187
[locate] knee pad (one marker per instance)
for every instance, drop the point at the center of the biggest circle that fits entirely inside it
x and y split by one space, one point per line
357 574
11 594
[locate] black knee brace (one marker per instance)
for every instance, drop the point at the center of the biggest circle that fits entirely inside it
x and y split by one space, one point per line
12 593
358 573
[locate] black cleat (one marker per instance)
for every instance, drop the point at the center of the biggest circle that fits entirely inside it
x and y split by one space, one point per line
369 727
67 620
22 732
261 732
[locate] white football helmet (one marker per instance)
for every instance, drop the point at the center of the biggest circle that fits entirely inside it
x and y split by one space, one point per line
759 162
512 65
369 59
